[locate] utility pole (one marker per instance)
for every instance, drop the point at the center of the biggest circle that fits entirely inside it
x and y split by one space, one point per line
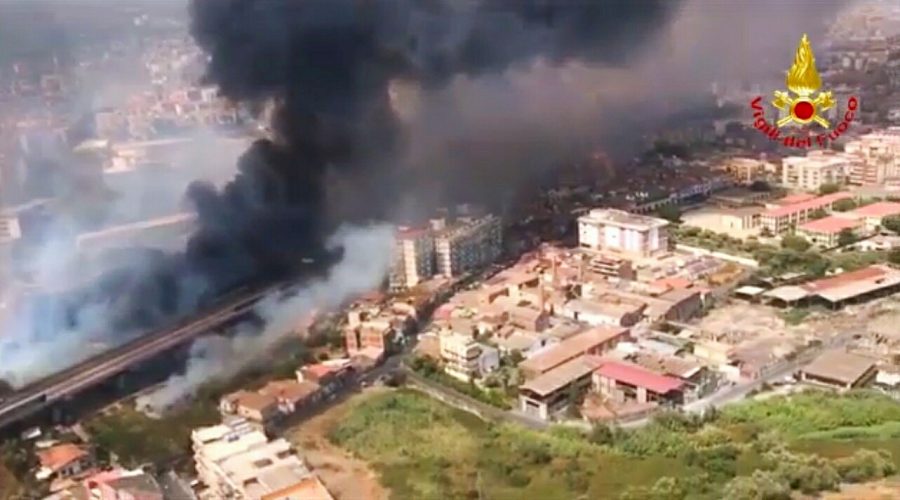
478 485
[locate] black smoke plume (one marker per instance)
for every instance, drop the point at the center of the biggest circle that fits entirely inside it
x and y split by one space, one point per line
321 72
326 66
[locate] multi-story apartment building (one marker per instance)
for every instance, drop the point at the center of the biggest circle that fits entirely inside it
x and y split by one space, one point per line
892 66
9 228
236 462
859 54
213 444
469 245
369 334
622 232
414 258
815 169
747 170
460 354
9 233
878 155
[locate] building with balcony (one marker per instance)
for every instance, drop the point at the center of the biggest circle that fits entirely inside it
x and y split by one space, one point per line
368 335
747 170
621 232
879 157
414 258
810 172
551 392
472 244
216 443
461 355
235 462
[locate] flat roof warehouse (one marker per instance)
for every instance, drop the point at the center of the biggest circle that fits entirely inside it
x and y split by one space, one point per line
854 286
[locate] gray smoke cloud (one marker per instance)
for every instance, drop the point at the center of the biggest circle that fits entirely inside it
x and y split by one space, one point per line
363 267
473 134
46 322
481 137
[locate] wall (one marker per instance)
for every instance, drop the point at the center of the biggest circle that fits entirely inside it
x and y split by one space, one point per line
744 261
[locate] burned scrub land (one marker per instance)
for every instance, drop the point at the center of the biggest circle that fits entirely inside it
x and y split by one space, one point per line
808 443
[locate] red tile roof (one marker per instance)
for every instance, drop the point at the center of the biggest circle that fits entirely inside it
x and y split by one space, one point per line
289 390
879 209
842 279
674 282
59 456
829 225
792 199
812 204
638 377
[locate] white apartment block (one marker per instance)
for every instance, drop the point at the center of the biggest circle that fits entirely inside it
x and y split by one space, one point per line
414 258
815 169
9 228
460 354
467 246
236 461
263 472
747 170
622 232
213 444
878 154
9 233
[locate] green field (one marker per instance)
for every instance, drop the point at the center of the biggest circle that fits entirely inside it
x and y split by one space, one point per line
424 449
816 411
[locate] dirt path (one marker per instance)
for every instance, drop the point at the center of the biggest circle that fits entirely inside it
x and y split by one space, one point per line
880 490
346 477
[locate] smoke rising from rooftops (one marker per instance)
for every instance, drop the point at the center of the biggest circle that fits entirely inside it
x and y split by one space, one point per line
528 82
361 269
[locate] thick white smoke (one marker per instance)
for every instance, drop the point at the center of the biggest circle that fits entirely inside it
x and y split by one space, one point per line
538 115
364 266
34 339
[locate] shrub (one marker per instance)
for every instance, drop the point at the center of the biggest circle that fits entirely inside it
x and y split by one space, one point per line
719 461
865 465
601 434
794 242
762 485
